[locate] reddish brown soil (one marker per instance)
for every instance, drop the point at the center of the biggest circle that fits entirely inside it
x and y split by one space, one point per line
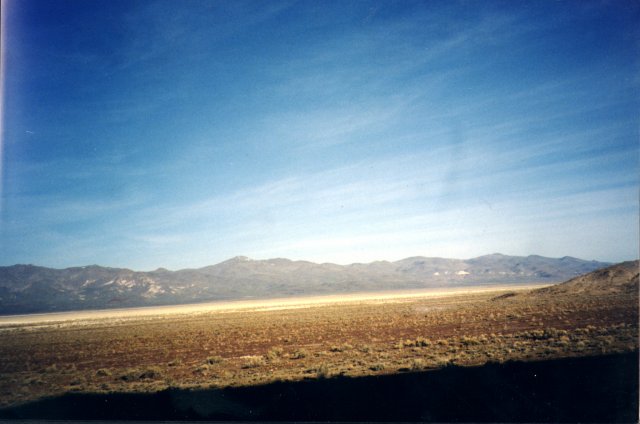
245 348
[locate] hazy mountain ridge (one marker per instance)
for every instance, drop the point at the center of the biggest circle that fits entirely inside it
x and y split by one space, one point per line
29 288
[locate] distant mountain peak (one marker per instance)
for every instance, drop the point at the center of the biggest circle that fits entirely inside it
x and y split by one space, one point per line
28 288
161 269
239 259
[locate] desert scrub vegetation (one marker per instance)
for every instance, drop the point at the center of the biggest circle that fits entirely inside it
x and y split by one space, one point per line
290 345
365 348
341 348
324 371
174 362
417 364
377 367
150 373
202 369
418 342
253 361
53 368
212 360
274 353
299 354
545 334
471 340
103 372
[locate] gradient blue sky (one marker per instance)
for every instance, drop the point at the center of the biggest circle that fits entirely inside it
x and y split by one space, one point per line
173 133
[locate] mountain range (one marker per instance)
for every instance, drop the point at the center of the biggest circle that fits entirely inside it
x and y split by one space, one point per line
32 289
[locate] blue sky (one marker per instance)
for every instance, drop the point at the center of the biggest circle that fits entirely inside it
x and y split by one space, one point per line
143 134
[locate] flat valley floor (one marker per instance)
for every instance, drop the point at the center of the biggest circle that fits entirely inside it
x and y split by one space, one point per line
205 351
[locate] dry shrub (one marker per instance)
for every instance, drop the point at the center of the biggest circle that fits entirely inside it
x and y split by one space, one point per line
103 372
422 342
469 341
581 345
275 353
253 361
443 361
150 373
299 354
546 334
211 360
377 367
342 348
202 369
50 369
365 349
323 371
417 364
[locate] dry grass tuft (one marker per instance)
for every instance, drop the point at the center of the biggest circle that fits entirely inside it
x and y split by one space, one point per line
253 361
212 360
299 354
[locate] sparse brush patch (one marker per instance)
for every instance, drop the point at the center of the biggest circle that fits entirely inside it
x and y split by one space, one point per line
469 341
77 382
253 361
417 364
103 372
546 334
443 361
34 381
606 340
71 369
377 367
323 371
342 348
299 354
422 342
365 349
151 373
202 369
274 353
212 360
50 369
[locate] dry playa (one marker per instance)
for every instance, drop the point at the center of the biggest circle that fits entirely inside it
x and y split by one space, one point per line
254 305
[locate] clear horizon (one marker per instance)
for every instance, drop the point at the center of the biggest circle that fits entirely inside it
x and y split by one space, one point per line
138 134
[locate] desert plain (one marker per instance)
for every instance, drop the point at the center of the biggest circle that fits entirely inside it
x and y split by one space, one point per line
257 342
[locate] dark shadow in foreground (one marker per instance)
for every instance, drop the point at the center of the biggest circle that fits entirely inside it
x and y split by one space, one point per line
594 389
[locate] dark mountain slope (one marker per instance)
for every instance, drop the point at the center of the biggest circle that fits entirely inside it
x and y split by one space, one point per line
619 278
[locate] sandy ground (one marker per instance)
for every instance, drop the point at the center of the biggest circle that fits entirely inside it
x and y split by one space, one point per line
256 305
